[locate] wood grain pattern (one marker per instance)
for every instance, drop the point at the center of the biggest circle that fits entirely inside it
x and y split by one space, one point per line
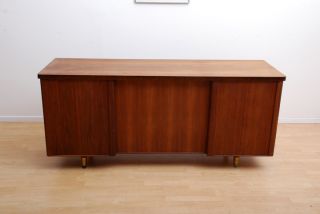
160 68
162 116
241 118
76 115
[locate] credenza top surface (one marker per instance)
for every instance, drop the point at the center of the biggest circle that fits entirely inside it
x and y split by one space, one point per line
160 68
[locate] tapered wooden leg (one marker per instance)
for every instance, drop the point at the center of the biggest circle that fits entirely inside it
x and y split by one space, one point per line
84 161
236 161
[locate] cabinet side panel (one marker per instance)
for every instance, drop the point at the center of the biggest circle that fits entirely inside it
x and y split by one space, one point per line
275 117
241 118
162 115
76 114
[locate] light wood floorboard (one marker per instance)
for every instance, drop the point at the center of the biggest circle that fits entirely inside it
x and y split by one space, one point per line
30 182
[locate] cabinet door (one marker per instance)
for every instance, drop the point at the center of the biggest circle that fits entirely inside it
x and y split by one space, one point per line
76 115
241 118
162 115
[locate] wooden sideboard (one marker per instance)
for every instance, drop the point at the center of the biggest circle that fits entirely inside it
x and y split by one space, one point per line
104 107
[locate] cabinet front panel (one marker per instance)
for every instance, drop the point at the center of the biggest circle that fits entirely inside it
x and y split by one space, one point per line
241 117
161 115
76 114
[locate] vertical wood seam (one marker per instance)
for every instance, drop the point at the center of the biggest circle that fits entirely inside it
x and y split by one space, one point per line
244 124
210 113
112 126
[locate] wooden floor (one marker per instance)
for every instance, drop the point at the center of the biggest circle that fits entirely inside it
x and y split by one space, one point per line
30 182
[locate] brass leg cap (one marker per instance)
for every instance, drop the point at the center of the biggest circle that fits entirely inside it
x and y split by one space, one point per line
236 161
84 161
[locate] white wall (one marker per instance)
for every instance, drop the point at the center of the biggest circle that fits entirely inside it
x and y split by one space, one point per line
285 33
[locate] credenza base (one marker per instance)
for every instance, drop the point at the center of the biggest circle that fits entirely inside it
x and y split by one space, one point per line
85 159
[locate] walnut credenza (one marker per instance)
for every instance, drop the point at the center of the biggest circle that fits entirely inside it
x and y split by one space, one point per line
104 107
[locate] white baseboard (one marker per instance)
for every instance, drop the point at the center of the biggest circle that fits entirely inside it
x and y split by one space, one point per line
299 120
40 119
21 118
